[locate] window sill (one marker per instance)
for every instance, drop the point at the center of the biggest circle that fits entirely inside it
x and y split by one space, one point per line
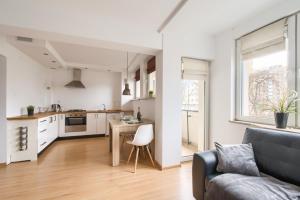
145 98
267 126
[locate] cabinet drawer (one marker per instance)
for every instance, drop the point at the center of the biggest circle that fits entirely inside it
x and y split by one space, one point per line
42 145
43 124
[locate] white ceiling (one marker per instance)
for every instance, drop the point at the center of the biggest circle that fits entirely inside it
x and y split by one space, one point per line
214 16
108 17
57 55
85 56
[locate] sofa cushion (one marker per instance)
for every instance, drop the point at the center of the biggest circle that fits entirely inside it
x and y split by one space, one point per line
236 159
276 153
209 178
240 187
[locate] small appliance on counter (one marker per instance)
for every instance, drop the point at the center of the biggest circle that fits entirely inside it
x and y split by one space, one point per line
55 108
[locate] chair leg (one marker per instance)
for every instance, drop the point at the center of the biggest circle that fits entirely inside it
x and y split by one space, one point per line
136 158
132 149
123 141
150 156
143 151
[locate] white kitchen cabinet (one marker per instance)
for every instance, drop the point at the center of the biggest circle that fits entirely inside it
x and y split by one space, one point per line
91 123
96 123
61 125
43 129
101 123
53 128
47 131
14 153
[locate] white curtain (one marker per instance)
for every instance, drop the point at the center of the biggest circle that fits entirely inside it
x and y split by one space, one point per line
269 39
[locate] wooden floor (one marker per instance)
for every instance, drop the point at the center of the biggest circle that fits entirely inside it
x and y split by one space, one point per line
188 149
80 169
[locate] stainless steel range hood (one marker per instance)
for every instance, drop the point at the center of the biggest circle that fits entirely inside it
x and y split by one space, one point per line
76 82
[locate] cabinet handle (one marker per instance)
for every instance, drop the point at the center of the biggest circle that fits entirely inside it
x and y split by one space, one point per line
43 144
43 130
43 121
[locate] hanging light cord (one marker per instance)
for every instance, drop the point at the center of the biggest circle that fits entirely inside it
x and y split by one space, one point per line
127 65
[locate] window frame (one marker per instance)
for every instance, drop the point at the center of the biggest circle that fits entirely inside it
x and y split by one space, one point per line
136 88
292 63
148 84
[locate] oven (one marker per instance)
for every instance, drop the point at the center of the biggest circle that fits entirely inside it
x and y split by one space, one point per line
75 122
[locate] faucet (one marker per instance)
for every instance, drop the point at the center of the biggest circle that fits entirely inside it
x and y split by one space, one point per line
104 107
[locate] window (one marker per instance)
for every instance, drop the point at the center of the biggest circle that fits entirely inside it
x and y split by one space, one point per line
191 94
137 89
152 82
151 75
137 84
264 69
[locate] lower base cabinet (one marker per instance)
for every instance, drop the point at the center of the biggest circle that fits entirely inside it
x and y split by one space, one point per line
96 123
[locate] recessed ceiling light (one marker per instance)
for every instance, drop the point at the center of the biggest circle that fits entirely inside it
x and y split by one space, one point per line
46 54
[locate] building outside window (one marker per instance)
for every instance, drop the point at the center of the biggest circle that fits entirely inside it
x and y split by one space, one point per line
264 69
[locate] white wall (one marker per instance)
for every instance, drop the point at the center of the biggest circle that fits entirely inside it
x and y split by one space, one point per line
220 99
26 80
168 103
222 74
2 109
101 88
22 83
147 108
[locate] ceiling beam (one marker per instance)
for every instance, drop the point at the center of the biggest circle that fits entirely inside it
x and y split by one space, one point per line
95 67
56 55
169 18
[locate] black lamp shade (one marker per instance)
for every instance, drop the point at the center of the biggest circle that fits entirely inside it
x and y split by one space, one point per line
126 91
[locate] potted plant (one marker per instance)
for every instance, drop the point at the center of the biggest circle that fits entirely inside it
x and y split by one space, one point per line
151 93
30 110
285 104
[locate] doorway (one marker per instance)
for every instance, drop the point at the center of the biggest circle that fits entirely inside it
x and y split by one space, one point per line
195 75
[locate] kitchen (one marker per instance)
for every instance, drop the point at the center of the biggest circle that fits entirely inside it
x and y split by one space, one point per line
77 95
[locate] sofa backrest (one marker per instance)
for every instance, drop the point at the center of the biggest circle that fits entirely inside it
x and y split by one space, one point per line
277 153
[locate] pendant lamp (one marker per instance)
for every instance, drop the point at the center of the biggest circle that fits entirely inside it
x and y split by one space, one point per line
126 91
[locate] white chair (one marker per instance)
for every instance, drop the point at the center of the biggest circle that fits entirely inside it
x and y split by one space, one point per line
142 138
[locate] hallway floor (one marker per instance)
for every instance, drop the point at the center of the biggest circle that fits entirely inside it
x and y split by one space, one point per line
188 149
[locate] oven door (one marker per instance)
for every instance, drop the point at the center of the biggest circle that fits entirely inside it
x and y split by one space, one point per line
75 124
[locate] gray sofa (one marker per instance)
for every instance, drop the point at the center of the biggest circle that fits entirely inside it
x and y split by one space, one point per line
277 155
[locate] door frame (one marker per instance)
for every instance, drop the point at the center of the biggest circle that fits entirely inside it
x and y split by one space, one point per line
206 78
3 121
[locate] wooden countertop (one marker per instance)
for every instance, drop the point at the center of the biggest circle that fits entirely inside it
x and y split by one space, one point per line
46 114
35 116
118 123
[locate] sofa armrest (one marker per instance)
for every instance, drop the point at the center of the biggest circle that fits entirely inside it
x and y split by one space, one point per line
204 164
